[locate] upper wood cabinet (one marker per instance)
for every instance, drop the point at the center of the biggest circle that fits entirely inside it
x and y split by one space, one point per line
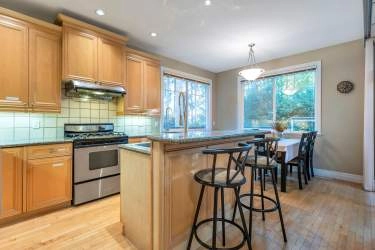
91 53
143 83
152 88
45 70
11 178
111 62
134 83
80 48
30 68
14 64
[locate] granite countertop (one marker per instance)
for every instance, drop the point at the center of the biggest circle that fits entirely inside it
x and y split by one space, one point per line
31 142
200 136
137 147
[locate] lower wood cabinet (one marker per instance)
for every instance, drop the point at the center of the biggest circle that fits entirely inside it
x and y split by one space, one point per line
11 173
34 178
48 182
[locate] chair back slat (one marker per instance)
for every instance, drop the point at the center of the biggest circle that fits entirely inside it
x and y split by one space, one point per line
303 148
312 141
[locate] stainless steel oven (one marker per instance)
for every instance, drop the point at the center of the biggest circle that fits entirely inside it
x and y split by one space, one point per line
96 171
95 162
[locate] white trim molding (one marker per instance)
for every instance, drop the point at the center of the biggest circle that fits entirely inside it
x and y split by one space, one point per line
338 175
368 129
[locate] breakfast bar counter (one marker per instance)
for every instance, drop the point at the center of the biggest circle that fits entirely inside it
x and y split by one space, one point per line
158 192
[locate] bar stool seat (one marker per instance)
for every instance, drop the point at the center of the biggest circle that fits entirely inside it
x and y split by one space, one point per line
261 160
204 177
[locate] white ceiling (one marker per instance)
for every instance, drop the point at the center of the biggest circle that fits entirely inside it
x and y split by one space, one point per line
216 37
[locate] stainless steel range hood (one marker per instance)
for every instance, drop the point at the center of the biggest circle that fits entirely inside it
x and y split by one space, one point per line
80 89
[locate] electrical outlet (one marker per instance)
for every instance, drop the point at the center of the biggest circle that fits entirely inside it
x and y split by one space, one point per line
35 124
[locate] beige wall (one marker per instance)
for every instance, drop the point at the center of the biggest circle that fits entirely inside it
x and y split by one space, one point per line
340 146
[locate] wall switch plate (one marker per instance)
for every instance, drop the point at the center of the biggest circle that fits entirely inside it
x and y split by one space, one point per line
35 124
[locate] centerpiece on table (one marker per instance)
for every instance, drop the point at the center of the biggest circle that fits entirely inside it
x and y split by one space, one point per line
279 127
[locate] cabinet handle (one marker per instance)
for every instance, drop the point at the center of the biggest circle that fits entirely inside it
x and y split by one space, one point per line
56 165
60 149
12 98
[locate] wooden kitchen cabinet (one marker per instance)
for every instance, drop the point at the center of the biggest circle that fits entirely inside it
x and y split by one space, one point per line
80 48
91 53
11 178
48 182
134 83
14 64
143 84
45 70
30 70
151 86
34 179
111 62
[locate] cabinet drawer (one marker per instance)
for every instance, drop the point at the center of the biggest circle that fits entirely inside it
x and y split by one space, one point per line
46 151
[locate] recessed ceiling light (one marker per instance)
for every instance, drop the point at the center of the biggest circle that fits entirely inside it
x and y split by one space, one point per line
207 2
153 34
100 12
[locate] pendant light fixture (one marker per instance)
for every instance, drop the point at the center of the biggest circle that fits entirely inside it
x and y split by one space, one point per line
253 72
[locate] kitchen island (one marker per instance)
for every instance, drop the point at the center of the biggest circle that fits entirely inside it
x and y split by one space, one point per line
158 192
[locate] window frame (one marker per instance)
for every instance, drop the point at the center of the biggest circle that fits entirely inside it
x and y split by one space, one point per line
317 65
178 73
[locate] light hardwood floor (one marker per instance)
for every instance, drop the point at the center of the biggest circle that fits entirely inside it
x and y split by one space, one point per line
327 214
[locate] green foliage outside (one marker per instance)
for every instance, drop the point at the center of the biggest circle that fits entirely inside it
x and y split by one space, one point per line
294 96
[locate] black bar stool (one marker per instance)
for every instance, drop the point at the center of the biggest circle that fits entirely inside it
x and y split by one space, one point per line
262 164
220 179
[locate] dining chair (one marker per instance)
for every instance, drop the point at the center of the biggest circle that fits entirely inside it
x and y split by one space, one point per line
301 161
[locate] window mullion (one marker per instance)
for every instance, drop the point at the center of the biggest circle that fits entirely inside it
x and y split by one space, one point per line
273 100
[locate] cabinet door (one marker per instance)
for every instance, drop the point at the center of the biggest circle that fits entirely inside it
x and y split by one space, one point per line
134 72
111 63
13 64
182 193
151 86
48 182
11 168
45 73
80 59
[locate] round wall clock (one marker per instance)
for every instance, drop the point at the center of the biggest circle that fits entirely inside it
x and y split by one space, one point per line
345 87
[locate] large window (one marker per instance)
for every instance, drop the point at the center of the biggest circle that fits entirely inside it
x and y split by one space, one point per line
197 94
289 95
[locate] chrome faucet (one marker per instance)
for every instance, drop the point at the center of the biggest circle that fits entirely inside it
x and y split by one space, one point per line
168 112
183 110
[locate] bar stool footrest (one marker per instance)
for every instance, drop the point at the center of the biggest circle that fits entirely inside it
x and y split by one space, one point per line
266 210
239 246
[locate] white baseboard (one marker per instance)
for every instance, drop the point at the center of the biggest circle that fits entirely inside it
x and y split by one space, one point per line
338 175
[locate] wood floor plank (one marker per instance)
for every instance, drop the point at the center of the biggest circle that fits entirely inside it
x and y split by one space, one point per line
326 214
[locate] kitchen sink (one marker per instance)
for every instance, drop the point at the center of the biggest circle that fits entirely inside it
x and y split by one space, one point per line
143 144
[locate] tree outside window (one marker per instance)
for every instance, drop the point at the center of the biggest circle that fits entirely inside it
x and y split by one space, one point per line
287 97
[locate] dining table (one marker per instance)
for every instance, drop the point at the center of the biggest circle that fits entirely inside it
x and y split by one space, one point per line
288 150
